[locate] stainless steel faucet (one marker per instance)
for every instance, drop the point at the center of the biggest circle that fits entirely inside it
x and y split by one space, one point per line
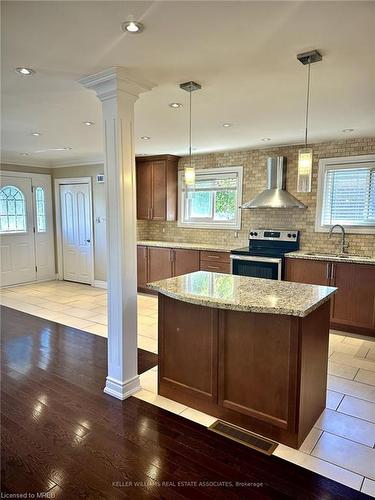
344 246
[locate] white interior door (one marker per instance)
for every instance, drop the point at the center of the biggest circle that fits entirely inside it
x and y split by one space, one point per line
17 246
75 206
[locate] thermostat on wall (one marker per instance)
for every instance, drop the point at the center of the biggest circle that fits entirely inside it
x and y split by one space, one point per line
100 178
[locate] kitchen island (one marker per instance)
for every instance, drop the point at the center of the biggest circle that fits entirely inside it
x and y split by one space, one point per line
249 351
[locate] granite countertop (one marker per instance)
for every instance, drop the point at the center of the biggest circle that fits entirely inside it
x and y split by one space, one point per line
187 246
353 259
240 293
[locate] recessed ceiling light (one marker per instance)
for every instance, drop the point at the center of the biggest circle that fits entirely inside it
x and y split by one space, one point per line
89 124
24 154
145 137
36 134
132 27
175 105
266 139
226 125
348 130
25 71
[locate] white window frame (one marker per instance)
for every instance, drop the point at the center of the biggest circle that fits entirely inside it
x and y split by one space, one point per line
342 162
211 225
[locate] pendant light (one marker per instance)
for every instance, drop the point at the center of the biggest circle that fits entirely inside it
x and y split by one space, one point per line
189 171
305 155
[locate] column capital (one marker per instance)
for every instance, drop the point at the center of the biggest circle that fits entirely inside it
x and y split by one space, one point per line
108 83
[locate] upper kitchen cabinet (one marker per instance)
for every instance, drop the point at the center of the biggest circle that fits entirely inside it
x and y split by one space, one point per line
157 187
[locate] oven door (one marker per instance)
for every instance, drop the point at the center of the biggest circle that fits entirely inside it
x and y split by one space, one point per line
256 267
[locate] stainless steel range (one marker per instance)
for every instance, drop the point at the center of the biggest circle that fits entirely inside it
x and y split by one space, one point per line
264 257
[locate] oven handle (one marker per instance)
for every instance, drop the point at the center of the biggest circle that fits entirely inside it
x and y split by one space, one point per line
257 259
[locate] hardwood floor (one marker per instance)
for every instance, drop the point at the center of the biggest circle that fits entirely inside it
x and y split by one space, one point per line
62 435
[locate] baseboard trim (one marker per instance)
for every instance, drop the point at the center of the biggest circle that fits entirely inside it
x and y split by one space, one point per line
122 390
100 284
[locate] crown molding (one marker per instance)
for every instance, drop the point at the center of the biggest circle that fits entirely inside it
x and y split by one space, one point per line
72 163
17 163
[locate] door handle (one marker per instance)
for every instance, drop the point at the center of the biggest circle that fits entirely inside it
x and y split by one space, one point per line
88 241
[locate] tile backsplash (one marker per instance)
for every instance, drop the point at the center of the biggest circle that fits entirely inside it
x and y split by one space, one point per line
254 181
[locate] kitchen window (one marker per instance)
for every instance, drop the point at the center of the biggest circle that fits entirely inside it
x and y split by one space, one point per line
213 202
346 194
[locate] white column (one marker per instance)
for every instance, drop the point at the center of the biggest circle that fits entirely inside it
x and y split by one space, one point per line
118 92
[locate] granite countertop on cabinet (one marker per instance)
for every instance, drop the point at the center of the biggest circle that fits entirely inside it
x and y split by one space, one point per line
240 293
353 259
187 246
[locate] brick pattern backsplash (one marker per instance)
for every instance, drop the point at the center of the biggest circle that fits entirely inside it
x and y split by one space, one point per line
254 162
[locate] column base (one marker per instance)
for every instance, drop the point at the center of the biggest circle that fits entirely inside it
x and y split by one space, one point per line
122 390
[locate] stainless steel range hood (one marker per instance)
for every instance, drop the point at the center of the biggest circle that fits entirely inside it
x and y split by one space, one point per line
275 196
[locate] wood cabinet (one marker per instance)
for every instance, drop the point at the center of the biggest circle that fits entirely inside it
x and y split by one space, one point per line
314 272
185 261
264 372
215 262
159 263
353 305
157 187
189 341
142 262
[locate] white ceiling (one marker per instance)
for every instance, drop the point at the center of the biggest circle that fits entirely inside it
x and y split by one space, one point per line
242 53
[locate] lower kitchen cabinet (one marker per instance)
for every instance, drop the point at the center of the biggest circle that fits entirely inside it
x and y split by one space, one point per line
313 272
160 262
353 305
157 263
185 261
142 263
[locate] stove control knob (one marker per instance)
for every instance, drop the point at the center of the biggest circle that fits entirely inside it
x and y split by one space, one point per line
255 234
251 234
294 235
289 235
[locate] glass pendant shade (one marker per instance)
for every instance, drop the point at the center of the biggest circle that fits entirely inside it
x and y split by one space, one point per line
189 176
305 157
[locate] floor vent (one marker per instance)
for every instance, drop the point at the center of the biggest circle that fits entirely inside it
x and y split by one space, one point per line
244 437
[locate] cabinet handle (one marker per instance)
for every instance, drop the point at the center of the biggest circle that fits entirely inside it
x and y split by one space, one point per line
171 255
213 257
333 272
213 267
152 213
328 272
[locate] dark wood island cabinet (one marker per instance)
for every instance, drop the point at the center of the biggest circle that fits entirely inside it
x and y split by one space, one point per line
252 352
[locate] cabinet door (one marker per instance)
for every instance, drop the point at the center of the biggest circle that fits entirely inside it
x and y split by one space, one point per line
188 351
254 348
354 302
159 195
160 261
313 272
141 266
185 261
144 193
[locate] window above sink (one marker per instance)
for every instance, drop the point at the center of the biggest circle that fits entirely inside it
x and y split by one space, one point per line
346 194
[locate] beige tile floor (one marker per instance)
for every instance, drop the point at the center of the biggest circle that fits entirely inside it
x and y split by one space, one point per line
341 444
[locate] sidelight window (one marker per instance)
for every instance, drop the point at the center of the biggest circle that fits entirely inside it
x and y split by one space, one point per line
40 206
12 210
